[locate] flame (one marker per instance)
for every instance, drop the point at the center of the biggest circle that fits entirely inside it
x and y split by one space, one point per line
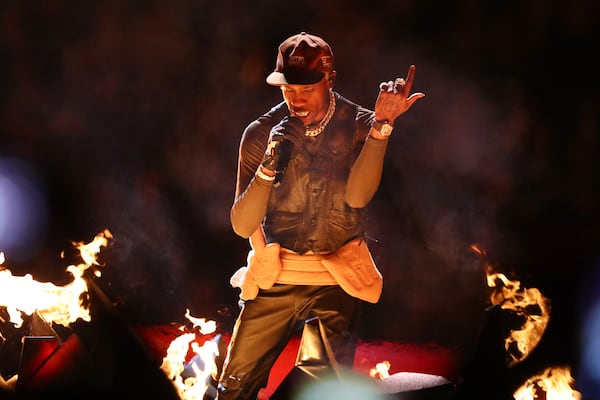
59 304
90 250
381 370
555 382
527 303
9 384
477 250
195 385
206 327
535 308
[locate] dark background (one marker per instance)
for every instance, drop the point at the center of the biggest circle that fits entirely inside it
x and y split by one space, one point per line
129 114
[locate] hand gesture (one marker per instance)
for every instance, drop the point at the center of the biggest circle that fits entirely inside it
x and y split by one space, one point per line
394 97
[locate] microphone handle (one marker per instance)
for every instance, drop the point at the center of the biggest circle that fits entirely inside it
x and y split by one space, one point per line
285 154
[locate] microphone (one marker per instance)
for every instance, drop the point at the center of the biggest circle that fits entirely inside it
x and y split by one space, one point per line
285 154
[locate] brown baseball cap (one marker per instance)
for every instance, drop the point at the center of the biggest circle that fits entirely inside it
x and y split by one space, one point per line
302 59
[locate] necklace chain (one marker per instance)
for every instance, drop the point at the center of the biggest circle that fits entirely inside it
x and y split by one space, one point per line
315 131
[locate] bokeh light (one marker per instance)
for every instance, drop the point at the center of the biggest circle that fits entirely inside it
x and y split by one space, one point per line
349 387
23 210
588 378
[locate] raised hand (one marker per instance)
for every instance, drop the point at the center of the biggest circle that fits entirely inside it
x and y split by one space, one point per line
394 97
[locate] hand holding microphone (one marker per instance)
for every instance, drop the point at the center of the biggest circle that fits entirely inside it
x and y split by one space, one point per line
282 139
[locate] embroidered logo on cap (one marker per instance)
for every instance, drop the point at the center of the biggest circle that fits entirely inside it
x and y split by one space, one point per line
296 60
327 61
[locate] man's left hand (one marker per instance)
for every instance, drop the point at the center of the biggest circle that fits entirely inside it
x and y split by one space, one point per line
394 97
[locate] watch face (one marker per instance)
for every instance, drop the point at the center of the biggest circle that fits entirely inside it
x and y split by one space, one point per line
386 130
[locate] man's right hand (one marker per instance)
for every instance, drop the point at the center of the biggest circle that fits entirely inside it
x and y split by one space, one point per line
290 129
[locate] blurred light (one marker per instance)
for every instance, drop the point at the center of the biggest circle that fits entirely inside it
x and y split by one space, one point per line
23 210
591 337
348 388
588 377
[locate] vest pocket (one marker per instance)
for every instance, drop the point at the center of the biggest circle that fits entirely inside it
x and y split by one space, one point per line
282 227
341 227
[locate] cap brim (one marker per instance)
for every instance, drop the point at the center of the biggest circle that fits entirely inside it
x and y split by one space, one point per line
276 79
294 78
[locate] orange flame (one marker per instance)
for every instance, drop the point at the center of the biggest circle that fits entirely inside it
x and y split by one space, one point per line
555 382
527 303
206 327
59 304
174 363
9 384
381 370
90 250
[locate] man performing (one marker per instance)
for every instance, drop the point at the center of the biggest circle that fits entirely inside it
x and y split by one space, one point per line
306 171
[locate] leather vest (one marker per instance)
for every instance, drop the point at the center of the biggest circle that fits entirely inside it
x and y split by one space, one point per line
306 208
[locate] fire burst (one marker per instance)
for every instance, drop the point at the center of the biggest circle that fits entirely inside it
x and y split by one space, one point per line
203 368
59 304
381 370
529 304
554 382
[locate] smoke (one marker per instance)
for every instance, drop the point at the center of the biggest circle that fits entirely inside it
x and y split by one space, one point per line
133 112
449 173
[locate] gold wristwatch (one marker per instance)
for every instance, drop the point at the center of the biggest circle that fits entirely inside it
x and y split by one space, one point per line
384 128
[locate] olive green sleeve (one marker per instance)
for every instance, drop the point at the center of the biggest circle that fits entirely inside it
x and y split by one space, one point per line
251 191
365 174
250 206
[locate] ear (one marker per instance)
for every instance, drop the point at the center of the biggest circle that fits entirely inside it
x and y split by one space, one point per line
331 79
